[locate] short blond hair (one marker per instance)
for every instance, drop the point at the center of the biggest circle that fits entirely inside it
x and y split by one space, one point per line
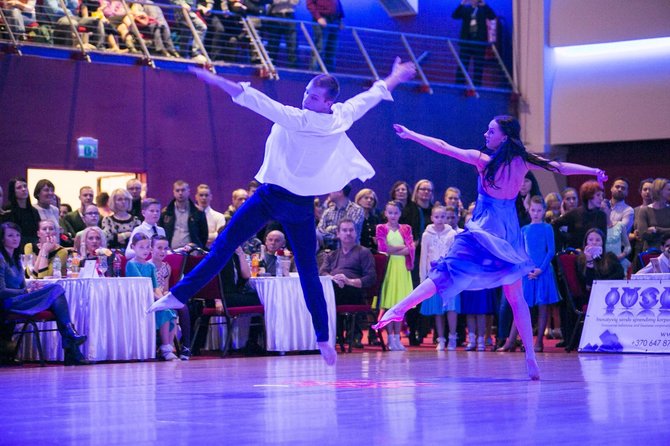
116 193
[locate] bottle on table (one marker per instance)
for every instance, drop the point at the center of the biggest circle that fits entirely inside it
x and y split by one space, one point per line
116 265
57 268
254 265
261 262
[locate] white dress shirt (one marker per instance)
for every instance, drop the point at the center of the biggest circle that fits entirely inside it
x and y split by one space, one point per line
307 152
215 221
146 229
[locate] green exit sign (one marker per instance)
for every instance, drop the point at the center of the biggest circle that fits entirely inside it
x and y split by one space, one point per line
87 147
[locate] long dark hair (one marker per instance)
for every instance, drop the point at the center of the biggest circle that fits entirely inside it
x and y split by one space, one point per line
14 259
11 193
510 149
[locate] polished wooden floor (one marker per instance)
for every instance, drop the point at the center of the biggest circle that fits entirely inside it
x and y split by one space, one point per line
418 397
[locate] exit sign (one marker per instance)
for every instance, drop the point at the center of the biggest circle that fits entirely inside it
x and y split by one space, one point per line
87 147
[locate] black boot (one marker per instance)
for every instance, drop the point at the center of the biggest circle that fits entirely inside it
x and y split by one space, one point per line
74 357
71 339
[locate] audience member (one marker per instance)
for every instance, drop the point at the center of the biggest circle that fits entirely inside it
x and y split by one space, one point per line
529 188
15 296
594 263
452 197
653 221
239 197
92 241
44 194
63 210
616 240
367 200
573 225
134 188
73 222
21 211
183 222
19 14
351 268
119 226
215 220
275 31
55 15
151 211
102 202
140 266
570 200
328 15
473 15
45 250
343 207
187 43
660 264
635 239
620 210
91 218
274 241
553 201
165 45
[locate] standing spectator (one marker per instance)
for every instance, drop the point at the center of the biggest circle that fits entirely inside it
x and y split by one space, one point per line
343 207
119 226
473 15
239 197
574 224
151 211
452 197
653 221
102 202
215 220
74 221
367 200
44 194
635 239
570 200
214 39
328 15
184 223
275 31
134 188
620 210
397 241
19 14
616 240
20 211
553 202
163 45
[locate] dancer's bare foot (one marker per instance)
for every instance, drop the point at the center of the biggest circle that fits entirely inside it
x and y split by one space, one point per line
327 352
388 317
167 302
533 369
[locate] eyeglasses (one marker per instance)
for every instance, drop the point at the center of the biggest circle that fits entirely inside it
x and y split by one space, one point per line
91 213
425 189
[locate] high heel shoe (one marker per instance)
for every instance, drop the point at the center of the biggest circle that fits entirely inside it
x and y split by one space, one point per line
74 357
72 339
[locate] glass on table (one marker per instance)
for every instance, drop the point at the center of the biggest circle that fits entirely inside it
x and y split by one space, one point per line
102 265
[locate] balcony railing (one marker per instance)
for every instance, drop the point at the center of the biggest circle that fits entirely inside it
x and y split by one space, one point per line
161 35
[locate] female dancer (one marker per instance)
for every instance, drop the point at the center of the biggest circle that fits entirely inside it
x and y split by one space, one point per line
490 252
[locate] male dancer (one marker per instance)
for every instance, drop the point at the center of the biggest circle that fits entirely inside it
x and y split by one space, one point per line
307 153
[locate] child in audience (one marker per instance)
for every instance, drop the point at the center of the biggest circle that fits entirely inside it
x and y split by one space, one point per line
435 242
539 286
395 240
140 266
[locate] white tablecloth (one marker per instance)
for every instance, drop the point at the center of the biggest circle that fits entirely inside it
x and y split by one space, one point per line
110 311
288 324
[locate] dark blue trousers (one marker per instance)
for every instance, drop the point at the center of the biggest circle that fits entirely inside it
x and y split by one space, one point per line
296 214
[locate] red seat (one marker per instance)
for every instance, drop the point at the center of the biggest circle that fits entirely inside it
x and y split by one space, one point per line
212 291
177 264
349 312
30 326
572 291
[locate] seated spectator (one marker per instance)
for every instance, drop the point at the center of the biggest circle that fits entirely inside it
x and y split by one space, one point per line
95 9
19 15
165 45
92 240
159 250
653 221
20 211
367 200
151 211
16 297
45 250
574 224
91 218
660 264
119 226
187 42
140 266
274 241
55 15
594 263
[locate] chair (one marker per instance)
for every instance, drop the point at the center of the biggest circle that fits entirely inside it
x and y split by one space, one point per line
571 290
177 264
349 313
30 326
212 291
647 255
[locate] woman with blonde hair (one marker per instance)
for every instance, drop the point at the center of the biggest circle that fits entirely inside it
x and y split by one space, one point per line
119 226
367 199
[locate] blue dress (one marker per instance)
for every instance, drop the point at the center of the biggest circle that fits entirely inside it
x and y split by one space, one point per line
14 298
488 254
136 269
540 246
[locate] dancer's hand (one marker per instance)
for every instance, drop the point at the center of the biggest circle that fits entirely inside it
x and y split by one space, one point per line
403 70
230 87
601 176
402 131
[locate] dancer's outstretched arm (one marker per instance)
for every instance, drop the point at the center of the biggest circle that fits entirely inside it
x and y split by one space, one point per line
230 87
574 169
437 145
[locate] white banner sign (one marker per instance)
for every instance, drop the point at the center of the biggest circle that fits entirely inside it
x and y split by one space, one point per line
627 316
